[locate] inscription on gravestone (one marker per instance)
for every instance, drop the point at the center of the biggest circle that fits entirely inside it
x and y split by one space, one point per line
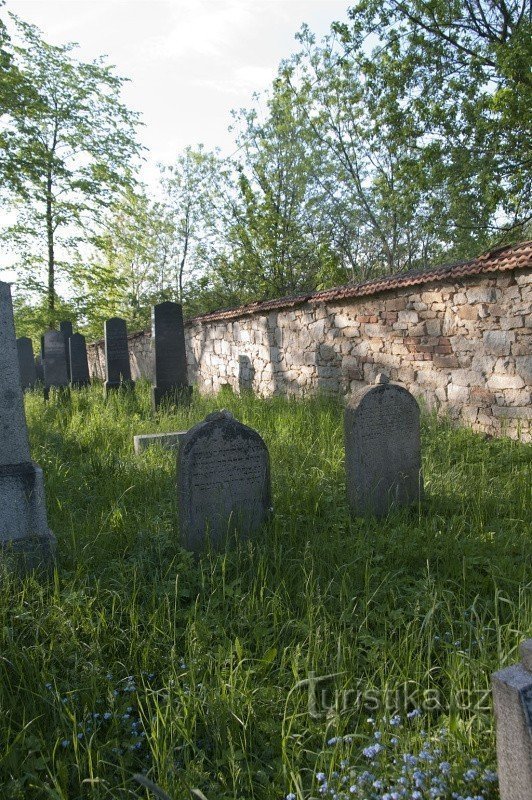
79 363
117 366
382 449
223 480
25 539
168 336
66 329
26 362
55 368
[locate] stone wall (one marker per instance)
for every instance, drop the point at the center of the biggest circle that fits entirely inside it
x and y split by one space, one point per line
461 344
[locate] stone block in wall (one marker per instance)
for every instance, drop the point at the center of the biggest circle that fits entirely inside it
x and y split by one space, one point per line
498 342
523 367
482 294
512 412
505 381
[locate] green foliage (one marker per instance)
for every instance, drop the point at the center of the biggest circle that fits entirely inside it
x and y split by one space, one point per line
204 659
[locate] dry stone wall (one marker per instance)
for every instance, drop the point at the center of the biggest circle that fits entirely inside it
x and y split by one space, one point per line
462 346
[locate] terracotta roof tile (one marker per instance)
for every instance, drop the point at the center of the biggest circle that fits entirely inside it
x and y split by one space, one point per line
501 259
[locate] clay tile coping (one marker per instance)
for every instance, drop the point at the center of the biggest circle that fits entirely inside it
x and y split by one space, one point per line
500 259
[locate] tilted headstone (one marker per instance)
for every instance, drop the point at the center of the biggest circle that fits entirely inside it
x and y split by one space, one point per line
25 539
67 330
223 481
382 449
512 702
168 441
39 368
117 366
55 368
79 363
26 362
168 334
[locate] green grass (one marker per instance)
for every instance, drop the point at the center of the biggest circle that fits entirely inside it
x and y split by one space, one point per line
207 656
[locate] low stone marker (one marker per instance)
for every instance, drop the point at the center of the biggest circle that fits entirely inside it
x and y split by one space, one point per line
55 368
26 363
168 441
117 366
382 449
25 539
67 330
512 701
168 334
223 481
79 363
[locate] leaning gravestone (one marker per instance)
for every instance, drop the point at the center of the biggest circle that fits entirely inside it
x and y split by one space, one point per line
223 481
26 362
117 366
79 363
512 701
168 335
67 330
55 367
382 449
25 539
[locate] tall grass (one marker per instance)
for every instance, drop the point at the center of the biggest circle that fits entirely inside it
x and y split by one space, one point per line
136 659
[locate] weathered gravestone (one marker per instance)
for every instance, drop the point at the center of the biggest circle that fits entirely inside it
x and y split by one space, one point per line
79 363
55 367
382 449
26 363
39 368
117 366
25 539
223 481
512 701
67 330
168 334
168 441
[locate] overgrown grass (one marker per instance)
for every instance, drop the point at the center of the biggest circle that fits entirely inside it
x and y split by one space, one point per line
135 659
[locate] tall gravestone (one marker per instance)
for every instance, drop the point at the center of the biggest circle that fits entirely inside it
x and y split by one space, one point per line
79 362
512 702
223 481
168 334
25 539
117 366
67 330
55 366
382 449
26 362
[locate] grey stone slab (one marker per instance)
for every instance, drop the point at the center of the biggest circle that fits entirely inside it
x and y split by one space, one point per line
512 702
79 363
25 539
117 364
382 449
39 368
223 482
26 362
67 330
168 441
55 366
168 335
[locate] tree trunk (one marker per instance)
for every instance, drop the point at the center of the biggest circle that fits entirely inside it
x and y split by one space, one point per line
50 240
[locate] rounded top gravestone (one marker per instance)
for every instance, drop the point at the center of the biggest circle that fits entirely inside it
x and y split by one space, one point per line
13 432
223 480
382 449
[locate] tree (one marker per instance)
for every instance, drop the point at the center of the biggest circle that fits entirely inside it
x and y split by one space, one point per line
73 152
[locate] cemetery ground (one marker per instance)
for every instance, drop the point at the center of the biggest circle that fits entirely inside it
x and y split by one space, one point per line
212 675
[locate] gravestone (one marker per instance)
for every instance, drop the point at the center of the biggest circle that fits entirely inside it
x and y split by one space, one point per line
55 367
26 362
117 366
39 368
223 481
512 702
25 539
66 329
79 363
168 336
382 449
168 441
